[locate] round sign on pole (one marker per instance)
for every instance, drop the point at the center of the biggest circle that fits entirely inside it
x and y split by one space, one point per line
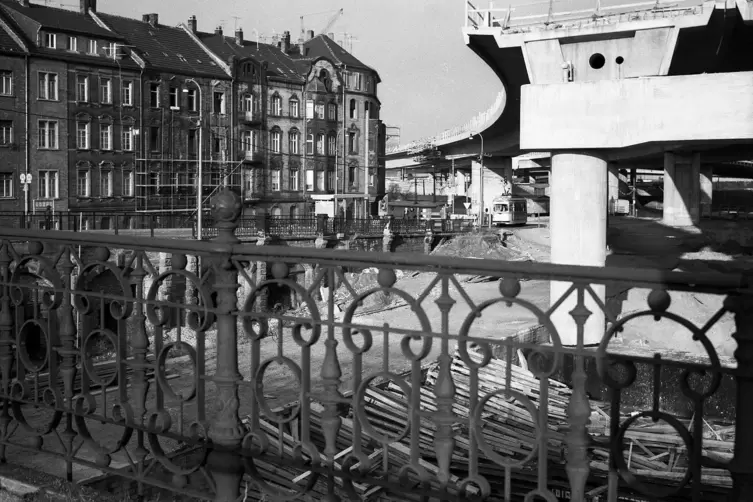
28 178
23 178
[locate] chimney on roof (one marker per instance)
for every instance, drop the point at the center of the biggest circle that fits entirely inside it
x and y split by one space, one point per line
309 34
239 36
86 6
285 45
152 19
192 24
218 31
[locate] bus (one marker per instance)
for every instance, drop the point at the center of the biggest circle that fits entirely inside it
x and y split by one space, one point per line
509 210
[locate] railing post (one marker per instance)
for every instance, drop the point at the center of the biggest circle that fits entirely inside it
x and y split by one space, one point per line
741 466
226 430
6 342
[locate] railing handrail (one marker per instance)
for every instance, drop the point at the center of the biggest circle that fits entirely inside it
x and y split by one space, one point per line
638 277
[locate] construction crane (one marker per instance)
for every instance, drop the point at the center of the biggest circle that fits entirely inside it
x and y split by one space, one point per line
329 24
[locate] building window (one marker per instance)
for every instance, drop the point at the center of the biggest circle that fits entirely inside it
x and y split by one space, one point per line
276 105
320 144
248 140
128 183
48 134
82 88
72 44
48 86
309 180
82 183
352 175
309 109
332 145
276 141
105 90
174 97
127 138
6 83
294 139
6 185
294 182
352 143
332 111
331 180
320 181
218 103
50 40
154 95
92 47
154 139
47 184
192 135
105 137
82 135
310 144
371 179
353 109
192 101
275 180
319 112
127 93
295 108
248 103
111 49
6 132
105 183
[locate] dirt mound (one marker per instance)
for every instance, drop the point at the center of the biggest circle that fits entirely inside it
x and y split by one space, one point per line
486 245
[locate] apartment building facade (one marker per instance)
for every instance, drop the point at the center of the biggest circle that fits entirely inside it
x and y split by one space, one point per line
133 115
13 125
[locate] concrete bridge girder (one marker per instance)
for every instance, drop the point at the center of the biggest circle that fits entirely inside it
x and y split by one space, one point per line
611 86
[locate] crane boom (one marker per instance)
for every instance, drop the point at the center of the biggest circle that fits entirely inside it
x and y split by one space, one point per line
332 21
329 24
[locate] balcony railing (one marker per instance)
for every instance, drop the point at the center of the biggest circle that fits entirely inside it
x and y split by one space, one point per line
231 371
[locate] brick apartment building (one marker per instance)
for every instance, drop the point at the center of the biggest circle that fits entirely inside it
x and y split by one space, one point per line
123 114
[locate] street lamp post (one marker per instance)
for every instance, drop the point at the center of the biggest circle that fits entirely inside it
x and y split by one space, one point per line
200 174
481 181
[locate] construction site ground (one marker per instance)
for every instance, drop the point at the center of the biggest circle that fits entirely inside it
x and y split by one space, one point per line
634 242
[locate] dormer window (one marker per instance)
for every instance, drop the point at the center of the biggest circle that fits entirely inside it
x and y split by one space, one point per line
51 40
72 44
92 47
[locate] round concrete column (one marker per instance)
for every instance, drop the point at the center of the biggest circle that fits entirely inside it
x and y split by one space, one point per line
578 230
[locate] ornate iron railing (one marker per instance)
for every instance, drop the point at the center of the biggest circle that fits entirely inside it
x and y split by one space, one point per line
232 371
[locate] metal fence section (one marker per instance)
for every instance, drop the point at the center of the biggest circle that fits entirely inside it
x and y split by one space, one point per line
232 371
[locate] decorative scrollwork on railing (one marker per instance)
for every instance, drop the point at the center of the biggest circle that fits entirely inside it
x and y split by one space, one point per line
232 371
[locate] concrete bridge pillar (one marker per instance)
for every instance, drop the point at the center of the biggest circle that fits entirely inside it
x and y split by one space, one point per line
578 224
682 187
707 190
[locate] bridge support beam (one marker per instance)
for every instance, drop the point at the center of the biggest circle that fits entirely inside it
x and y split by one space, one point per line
578 221
682 185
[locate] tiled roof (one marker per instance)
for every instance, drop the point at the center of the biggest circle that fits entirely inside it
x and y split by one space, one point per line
7 42
30 18
323 46
280 64
164 47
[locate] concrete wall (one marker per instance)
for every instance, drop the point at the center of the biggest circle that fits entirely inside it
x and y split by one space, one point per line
622 113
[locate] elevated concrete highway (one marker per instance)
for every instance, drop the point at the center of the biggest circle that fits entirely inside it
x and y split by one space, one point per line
603 87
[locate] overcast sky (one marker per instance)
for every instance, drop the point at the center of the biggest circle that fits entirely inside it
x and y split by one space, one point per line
430 79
